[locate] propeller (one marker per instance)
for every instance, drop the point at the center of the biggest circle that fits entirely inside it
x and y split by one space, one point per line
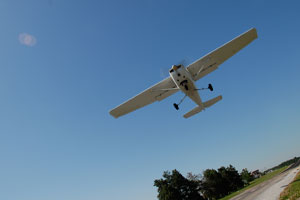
164 71
183 62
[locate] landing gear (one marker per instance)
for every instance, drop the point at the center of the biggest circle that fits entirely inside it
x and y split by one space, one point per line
210 87
176 106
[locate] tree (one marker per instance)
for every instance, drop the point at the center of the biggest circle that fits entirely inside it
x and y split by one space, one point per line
217 184
246 176
232 179
174 186
212 184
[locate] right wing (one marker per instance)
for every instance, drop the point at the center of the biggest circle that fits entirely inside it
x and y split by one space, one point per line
157 92
211 61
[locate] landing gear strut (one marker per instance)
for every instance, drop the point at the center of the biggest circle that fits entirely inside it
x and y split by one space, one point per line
176 106
210 87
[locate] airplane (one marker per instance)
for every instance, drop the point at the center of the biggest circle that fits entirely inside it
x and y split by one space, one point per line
183 79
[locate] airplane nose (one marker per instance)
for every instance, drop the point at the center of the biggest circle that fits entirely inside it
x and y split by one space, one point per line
174 67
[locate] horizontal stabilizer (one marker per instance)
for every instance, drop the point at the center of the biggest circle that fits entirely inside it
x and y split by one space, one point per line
205 105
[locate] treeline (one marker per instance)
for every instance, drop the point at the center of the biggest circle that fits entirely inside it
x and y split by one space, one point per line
285 163
213 184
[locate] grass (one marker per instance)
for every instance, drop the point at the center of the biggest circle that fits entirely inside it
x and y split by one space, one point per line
292 192
256 182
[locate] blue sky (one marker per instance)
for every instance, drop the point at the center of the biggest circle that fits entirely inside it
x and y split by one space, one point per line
81 59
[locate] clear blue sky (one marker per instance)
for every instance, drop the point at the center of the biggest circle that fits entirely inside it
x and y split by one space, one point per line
57 140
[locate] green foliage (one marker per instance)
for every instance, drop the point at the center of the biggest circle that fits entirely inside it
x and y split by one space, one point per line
231 178
246 176
256 182
213 184
217 184
285 163
292 192
174 186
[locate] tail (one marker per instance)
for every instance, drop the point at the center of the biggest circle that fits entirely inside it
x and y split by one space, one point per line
205 105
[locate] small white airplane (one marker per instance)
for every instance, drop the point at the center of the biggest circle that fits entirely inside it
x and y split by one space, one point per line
183 79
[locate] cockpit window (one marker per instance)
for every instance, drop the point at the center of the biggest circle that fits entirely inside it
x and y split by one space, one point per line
172 70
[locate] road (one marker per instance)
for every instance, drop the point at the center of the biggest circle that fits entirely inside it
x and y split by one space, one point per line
271 189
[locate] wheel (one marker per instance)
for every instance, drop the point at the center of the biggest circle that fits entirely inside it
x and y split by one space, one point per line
176 106
210 87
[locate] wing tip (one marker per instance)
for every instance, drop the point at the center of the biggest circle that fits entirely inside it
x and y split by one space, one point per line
254 30
111 112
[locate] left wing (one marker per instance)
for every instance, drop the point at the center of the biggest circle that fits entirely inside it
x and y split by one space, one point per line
157 92
211 61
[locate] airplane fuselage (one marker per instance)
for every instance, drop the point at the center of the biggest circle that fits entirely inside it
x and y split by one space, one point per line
184 81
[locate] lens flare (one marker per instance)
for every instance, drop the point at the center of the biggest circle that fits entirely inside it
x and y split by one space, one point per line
27 39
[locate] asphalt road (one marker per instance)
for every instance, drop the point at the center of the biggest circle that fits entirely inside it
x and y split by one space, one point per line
271 189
